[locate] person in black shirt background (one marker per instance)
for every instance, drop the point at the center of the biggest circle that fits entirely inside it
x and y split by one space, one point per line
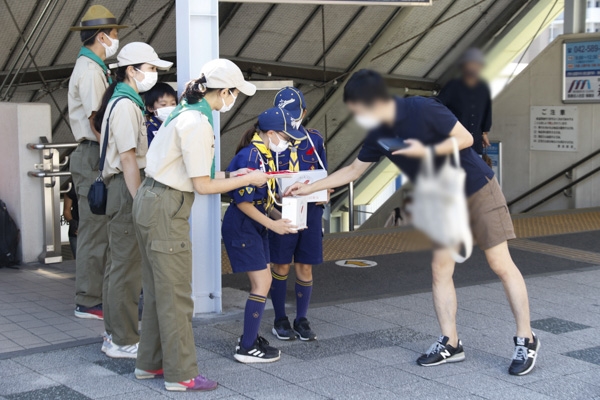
71 214
469 99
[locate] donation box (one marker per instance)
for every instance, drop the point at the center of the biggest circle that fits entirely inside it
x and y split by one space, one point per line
295 209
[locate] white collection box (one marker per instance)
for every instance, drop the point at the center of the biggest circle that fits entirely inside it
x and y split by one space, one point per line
295 209
307 177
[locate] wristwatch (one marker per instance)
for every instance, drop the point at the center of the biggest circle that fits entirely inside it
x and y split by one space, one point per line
227 174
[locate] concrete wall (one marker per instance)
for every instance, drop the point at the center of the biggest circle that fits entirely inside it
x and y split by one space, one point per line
22 124
540 84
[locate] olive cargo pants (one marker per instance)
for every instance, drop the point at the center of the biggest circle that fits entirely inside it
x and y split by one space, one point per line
161 222
92 237
124 275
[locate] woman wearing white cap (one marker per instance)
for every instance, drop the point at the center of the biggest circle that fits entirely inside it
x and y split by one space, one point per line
181 161
123 149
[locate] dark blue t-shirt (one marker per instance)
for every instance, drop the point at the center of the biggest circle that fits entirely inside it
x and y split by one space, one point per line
430 122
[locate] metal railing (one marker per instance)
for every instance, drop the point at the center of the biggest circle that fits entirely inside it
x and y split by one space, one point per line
49 171
567 172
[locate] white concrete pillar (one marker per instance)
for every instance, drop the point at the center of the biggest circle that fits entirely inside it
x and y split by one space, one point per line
23 195
197 24
575 13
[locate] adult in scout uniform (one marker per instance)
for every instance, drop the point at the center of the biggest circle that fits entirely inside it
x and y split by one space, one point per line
122 119
304 248
179 163
90 78
248 219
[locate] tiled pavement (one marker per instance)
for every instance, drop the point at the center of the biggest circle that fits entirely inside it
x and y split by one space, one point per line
366 350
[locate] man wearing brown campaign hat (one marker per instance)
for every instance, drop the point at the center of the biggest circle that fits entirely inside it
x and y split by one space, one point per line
90 78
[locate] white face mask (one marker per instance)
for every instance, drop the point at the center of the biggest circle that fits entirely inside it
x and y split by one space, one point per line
280 147
150 79
163 113
112 49
296 123
226 107
367 121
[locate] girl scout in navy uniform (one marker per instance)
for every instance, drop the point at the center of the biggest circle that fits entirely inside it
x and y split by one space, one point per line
180 162
304 248
246 223
121 118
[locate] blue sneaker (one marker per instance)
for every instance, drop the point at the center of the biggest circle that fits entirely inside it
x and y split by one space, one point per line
282 329
89 312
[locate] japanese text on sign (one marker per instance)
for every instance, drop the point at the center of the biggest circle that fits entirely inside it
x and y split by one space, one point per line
553 128
581 80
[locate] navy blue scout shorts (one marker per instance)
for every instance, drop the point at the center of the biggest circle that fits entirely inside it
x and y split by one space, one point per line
305 247
246 241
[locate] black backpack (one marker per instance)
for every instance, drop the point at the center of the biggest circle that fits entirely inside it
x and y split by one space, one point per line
9 238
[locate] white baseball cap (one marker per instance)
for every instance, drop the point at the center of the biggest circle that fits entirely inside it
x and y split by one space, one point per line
224 74
140 53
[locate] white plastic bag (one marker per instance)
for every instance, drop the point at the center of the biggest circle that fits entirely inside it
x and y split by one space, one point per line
439 206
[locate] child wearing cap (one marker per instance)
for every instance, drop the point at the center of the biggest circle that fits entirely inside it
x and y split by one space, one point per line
123 151
160 102
304 248
247 221
179 163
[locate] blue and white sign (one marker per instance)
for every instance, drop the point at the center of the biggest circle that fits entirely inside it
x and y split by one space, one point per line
494 152
581 78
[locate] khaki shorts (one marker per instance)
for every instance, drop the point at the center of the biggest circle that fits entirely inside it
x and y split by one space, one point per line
489 217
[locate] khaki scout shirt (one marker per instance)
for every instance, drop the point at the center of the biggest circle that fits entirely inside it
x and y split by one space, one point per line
182 150
86 88
127 131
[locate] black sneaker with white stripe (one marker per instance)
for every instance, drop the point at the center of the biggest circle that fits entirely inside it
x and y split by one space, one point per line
524 356
441 352
260 352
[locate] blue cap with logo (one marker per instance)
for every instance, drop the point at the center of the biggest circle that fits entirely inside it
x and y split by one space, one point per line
291 99
280 120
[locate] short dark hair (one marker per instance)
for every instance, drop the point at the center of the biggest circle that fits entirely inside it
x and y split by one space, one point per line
159 90
89 35
365 86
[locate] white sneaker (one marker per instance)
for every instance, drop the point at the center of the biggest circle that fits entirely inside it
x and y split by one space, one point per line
128 351
106 342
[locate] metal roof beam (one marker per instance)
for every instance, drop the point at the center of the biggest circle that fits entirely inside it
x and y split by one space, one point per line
495 25
13 48
164 17
226 13
64 41
341 34
420 39
260 23
298 32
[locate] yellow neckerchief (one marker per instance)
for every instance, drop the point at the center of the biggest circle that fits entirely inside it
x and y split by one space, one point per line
294 164
266 154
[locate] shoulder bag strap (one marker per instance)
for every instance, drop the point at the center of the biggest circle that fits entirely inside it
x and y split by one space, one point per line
106 132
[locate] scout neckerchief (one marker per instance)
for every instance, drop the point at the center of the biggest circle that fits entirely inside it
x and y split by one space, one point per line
85 52
123 89
202 107
294 164
265 154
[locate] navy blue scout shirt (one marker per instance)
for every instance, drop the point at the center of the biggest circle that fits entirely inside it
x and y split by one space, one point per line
430 122
248 157
152 126
306 153
472 106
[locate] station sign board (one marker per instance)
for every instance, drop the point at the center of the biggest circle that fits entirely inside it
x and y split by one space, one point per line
581 71
346 2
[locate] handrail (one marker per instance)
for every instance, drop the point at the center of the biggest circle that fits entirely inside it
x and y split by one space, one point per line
552 178
43 146
48 174
573 183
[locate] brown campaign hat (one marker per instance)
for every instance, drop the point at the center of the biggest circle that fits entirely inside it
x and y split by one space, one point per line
97 17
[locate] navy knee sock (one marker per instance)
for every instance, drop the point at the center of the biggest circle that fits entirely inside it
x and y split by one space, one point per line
255 305
278 294
303 292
